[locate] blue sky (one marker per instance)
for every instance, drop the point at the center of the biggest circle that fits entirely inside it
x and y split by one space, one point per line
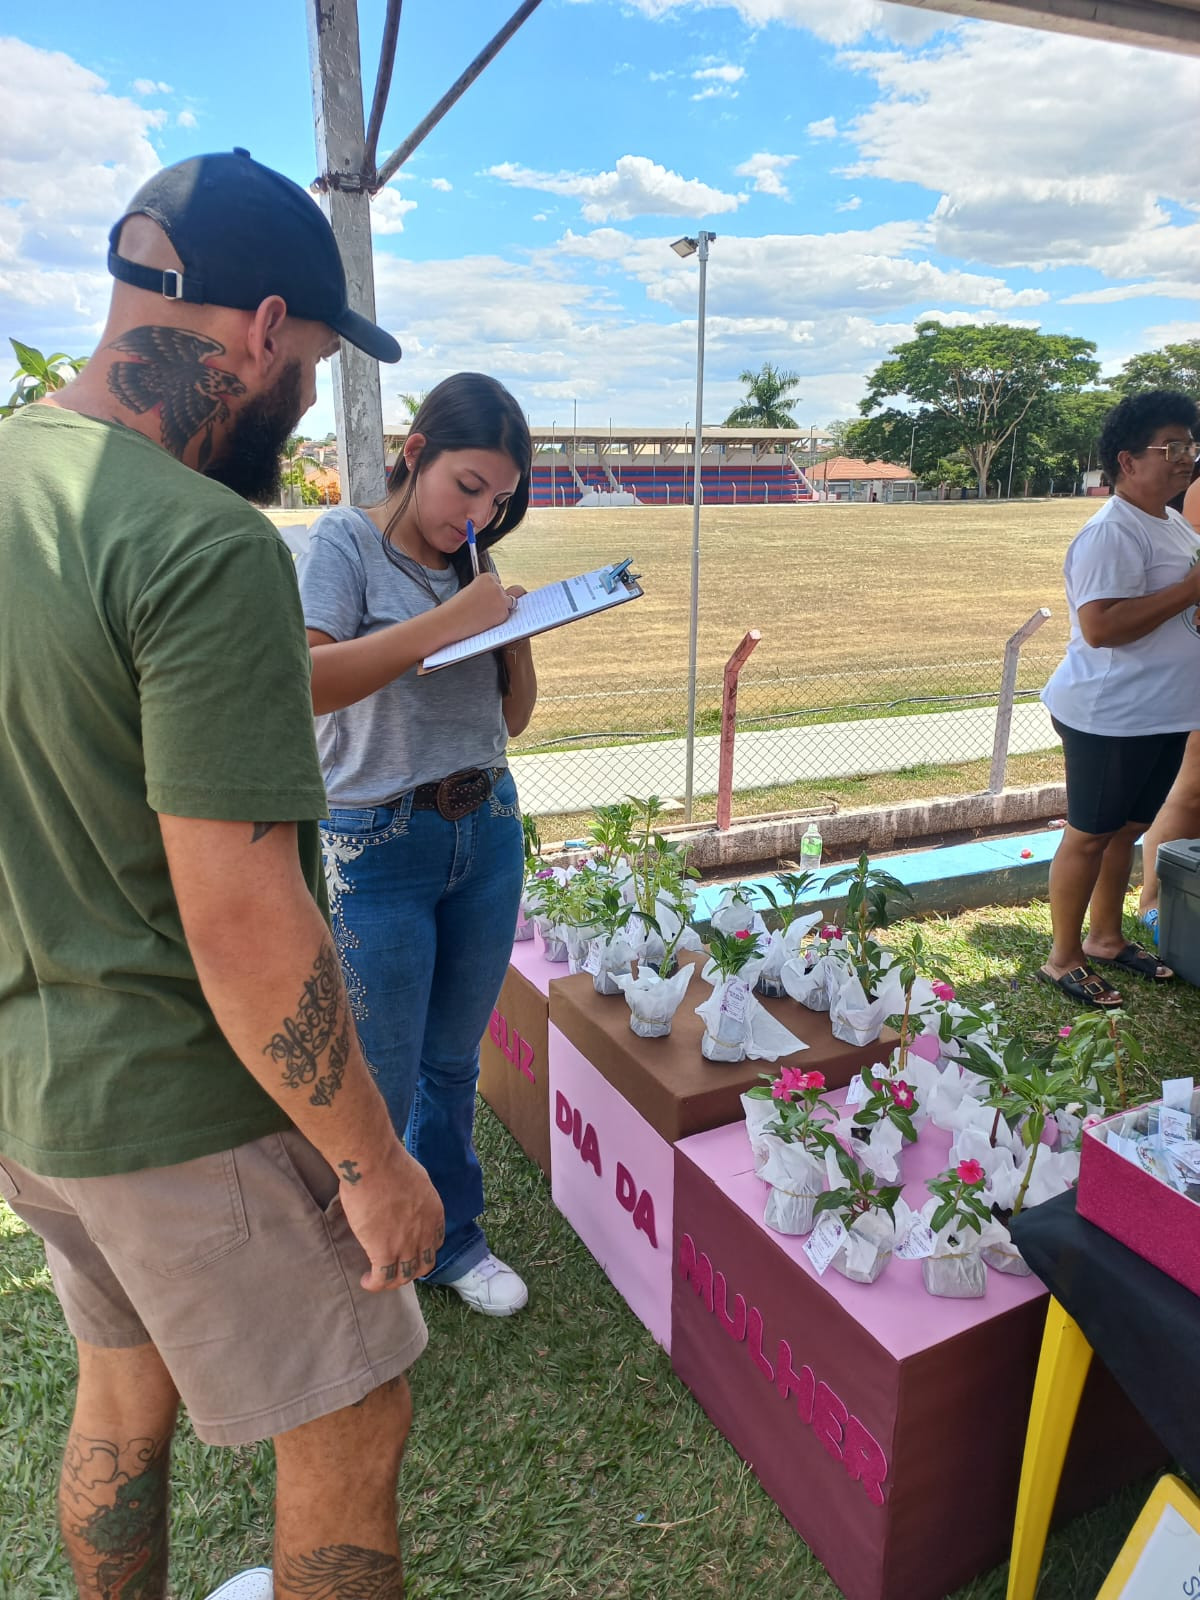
863 165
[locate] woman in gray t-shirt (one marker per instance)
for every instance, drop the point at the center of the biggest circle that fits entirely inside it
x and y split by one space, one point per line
423 847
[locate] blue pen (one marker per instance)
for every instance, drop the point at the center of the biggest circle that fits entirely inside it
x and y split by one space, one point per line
471 547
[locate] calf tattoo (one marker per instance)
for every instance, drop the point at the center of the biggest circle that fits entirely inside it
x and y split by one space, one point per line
318 1036
343 1572
113 1508
171 372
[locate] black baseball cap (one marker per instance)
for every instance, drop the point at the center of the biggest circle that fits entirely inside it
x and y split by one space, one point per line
244 232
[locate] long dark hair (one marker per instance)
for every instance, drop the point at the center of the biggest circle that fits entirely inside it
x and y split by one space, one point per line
467 411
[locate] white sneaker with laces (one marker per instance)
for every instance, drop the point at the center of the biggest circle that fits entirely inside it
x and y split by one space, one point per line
256 1584
491 1287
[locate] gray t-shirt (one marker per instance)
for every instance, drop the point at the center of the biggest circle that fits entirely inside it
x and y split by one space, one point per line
415 729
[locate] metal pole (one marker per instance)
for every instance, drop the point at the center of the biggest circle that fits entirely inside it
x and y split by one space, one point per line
338 117
574 437
1012 455
703 239
553 453
1008 687
729 727
912 444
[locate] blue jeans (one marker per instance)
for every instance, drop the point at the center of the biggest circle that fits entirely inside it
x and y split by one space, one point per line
423 913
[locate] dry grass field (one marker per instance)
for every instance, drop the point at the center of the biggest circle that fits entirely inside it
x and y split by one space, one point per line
833 588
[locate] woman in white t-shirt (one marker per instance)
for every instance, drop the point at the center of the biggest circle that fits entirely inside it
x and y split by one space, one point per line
1124 698
423 848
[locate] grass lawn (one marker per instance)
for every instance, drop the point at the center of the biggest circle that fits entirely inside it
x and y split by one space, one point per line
553 1455
891 592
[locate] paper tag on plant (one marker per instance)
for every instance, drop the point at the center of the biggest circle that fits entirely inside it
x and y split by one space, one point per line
822 1243
1124 1147
735 998
1177 1093
917 1243
1187 1154
1174 1123
856 1090
592 961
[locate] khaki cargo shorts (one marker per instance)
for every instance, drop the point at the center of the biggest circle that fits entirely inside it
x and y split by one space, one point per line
240 1268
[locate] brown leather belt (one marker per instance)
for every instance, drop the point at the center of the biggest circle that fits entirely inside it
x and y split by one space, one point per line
459 794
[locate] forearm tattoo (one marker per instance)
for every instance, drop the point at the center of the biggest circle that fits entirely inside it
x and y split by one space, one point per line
113 1510
349 1171
313 1047
343 1572
171 372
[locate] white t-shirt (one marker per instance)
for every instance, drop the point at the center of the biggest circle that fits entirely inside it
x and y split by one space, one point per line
1153 684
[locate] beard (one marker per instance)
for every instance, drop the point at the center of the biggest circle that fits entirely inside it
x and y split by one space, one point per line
248 462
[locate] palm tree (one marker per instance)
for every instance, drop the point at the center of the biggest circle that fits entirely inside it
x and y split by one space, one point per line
768 396
37 375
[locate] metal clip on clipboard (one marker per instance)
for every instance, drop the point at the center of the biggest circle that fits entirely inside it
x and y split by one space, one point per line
619 572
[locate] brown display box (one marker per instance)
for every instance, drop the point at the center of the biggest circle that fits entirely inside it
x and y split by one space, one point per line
667 1080
888 1425
514 1054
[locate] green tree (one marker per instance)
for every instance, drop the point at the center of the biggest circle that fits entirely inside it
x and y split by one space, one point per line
412 402
1175 366
769 393
973 386
37 375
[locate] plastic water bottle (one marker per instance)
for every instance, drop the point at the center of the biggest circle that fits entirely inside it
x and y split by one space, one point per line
810 848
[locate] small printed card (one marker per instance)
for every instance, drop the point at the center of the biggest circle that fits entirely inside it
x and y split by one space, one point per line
917 1242
822 1243
856 1090
735 999
1174 1123
1177 1093
591 962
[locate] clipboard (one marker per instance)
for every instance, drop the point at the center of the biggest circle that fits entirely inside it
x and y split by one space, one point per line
552 606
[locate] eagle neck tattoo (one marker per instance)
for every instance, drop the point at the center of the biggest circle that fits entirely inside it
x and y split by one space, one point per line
171 371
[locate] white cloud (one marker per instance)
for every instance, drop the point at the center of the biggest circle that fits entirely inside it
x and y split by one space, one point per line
637 187
442 184
715 91
147 86
722 74
852 204
388 211
826 128
763 170
538 216
1133 291
186 119
839 22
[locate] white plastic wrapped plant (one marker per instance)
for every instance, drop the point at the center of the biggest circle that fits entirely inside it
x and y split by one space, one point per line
789 1147
961 1222
866 1210
653 1001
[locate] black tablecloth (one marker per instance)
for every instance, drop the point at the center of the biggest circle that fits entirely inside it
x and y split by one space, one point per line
1144 1326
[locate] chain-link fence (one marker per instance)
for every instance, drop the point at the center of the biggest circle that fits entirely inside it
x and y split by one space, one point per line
916 731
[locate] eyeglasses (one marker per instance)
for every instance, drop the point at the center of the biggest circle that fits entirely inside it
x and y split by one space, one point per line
1178 450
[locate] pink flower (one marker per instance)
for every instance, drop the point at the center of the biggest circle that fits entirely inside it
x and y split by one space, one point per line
781 1089
943 991
743 933
970 1172
902 1094
809 1080
1064 1033
831 931
544 872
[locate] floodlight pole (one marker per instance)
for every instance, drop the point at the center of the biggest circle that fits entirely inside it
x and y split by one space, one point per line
702 240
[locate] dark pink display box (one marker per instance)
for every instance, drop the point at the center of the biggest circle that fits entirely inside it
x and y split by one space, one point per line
1146 1215
887 1424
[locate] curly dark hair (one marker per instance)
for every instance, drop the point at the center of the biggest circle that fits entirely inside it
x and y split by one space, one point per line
1132 423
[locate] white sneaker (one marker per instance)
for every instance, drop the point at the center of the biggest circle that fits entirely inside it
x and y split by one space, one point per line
491 1287
256 1584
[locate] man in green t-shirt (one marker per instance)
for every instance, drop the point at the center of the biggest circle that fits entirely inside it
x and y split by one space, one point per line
185 1114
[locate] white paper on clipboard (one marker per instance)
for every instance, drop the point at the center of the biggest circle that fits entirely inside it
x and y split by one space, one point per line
569 600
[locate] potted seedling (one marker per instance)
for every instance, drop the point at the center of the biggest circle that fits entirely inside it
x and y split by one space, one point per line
784 944
955 1270
550 899
726 1014
857 1012
1100 1049
866 1210
606 916
1026 1100
883 1121
917 972
533 862
791 1158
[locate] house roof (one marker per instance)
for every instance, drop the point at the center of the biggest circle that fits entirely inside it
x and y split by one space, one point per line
842 469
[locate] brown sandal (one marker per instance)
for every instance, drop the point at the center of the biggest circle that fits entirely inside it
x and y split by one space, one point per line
1085 987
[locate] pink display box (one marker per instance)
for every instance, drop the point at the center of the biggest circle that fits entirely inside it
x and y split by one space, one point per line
613 1178
513 1053
1143 1213
888 1425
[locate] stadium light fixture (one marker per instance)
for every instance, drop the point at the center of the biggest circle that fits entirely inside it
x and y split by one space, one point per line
688 247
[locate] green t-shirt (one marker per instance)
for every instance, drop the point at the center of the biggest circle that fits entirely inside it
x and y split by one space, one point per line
152 658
